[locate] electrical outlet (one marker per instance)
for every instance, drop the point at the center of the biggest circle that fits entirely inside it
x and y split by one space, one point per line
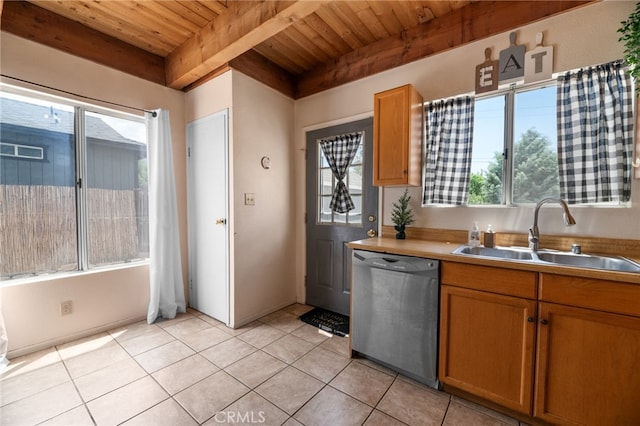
249 199
66 307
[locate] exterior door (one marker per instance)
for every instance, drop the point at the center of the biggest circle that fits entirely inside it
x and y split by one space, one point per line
207 142
328 280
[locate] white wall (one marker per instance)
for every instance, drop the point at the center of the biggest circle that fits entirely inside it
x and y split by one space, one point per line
582 37
101 299
261 123
263 233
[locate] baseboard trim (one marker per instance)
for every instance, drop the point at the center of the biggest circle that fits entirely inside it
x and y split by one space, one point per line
26 350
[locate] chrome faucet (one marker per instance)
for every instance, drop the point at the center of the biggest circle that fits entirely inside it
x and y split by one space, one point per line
534 232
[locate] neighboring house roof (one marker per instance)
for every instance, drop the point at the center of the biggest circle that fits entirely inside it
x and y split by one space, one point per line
55 120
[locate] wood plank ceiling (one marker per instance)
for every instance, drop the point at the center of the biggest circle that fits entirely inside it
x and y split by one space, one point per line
298 47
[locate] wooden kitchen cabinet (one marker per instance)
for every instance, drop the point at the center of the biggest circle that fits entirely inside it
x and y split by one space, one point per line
588 361
587 354
487 340
398 123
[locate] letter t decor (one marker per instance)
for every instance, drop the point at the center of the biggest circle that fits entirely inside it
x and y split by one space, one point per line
538 63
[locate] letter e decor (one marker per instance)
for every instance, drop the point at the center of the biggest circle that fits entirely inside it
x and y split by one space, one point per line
511 61
538 63
487 73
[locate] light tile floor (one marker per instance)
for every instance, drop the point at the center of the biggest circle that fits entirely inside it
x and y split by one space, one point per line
194 370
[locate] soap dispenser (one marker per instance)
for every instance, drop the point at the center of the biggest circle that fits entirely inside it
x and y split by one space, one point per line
489 237
474 235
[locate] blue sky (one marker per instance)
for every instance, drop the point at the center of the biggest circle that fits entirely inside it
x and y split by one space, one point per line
534 108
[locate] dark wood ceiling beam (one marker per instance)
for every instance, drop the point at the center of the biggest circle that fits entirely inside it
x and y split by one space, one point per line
476 21
257 67
242 27
37 24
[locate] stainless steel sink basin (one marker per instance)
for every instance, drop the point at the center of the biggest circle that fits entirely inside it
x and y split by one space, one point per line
500 253
587 261
609 263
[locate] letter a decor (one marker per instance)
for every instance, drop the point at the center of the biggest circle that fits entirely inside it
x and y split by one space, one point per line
511 61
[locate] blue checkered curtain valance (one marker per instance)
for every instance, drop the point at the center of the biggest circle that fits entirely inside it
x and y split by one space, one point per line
447 163
339 152
595 134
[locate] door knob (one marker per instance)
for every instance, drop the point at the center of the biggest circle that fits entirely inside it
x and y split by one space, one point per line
371 233
221 221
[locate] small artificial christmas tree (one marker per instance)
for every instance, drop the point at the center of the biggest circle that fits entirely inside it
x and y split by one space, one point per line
401 216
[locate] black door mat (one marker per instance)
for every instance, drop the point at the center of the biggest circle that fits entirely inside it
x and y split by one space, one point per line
332 322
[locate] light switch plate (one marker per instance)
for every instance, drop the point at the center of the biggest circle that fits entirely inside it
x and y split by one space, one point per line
249 199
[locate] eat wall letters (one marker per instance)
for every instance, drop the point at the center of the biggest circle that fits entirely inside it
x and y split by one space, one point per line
511 61
487 73
538 63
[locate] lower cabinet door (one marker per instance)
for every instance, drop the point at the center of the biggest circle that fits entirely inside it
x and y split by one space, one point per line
588 369
487 345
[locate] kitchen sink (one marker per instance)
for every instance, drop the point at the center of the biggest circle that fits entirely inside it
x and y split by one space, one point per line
609 263
500 253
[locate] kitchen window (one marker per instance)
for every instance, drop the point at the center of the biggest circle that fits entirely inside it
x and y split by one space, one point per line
514 157
82 205
570 139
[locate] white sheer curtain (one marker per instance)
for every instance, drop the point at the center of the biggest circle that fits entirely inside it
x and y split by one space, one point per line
4 342
167 287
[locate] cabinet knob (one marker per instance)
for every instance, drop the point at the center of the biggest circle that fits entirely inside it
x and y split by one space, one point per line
544 322
530 319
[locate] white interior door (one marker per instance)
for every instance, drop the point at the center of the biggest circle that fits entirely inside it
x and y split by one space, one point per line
207 143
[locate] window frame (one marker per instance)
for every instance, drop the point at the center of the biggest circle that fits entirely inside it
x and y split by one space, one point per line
80 109
509 92
16 151
322 165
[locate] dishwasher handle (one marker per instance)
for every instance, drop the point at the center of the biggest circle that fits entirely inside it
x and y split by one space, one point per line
397 263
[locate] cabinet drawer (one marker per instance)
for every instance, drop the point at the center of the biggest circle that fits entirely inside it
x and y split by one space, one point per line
610 296
486 278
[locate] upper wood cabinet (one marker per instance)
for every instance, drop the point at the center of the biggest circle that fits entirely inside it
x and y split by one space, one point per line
398 123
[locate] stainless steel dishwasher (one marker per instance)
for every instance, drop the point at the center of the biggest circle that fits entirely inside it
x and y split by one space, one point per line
394 313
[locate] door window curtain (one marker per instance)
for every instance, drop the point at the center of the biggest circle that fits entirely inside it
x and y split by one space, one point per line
165 270
447 163
339 152
595 134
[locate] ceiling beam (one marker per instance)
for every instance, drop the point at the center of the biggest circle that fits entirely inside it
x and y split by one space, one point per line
256 66
260 68
243 26
37 24
475 21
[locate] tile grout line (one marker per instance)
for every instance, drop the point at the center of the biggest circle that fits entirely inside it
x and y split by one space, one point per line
75 386
325 345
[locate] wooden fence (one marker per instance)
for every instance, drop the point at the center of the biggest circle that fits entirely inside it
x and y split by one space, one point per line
38 228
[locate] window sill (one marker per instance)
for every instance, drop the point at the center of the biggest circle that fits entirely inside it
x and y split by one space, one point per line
71 274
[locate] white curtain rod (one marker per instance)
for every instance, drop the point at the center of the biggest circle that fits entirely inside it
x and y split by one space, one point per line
153 113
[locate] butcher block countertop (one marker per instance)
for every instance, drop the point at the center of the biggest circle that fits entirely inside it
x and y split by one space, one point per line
442 251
